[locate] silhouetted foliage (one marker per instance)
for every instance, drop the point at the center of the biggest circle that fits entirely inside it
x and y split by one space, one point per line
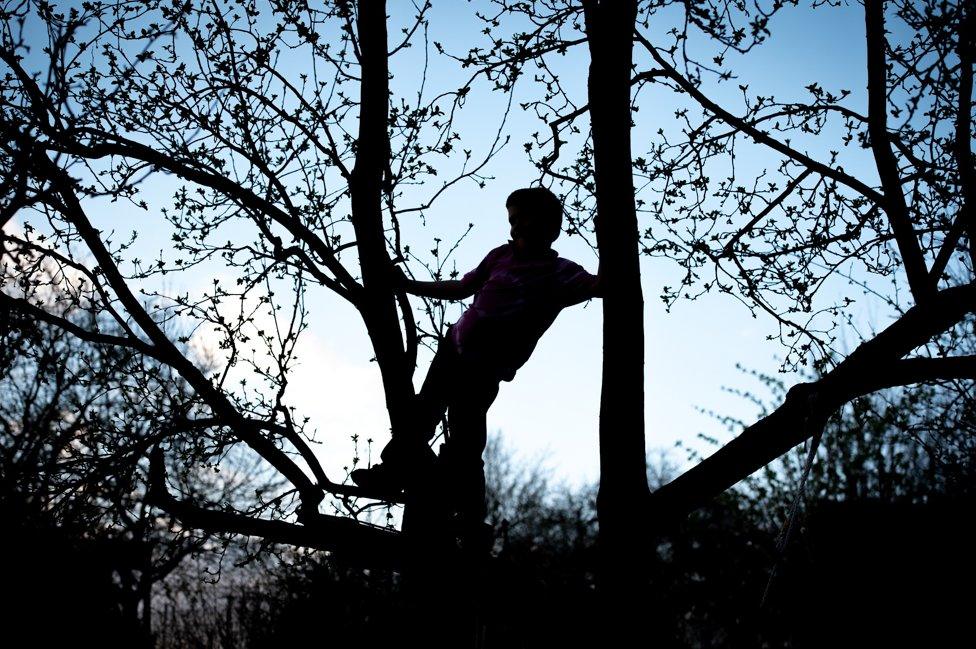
75 424
294 165
879 532
60 586
884 557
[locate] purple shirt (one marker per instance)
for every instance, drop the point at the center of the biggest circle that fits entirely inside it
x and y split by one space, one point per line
517 299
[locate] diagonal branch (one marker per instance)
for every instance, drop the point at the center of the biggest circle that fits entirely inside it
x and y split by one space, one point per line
113 144
727 248
959 225
9 303
874 365
168 353
344 284
756 134
374 546
918 370
81 268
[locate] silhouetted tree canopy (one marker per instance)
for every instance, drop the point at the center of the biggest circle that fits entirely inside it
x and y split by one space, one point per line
268 145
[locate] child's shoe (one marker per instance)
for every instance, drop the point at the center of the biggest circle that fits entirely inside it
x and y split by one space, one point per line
379 478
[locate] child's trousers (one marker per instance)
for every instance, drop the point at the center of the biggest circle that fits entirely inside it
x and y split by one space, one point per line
467 389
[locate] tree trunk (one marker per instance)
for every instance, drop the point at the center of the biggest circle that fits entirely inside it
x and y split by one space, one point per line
623 540
377 303
437 578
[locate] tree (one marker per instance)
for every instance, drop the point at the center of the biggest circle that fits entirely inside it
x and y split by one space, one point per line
283 134
130 113
772 243
849 221
76 423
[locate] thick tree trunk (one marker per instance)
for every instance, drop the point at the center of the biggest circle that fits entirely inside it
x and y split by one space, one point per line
624 542
377 304
438 579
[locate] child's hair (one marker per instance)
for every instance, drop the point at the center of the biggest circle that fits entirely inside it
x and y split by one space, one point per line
543 205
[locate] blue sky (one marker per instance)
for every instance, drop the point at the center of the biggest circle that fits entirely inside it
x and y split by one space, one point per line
550 411
551 408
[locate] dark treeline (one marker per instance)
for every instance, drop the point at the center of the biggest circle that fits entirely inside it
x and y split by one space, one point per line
86 553
881 544
880 541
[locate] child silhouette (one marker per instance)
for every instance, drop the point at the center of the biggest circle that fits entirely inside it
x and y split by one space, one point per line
519 288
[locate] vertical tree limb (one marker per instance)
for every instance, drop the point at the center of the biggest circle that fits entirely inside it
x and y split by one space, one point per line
894 198
378 306
623 468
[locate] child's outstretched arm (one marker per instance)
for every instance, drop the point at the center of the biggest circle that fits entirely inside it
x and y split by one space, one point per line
599 285
450 289
582 286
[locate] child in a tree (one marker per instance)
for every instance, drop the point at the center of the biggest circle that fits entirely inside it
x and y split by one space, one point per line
519 288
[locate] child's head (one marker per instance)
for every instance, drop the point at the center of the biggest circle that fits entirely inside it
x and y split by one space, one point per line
536 215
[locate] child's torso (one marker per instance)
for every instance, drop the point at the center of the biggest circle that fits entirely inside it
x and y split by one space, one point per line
518 301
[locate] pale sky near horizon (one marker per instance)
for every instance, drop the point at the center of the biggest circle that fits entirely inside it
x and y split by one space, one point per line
550 411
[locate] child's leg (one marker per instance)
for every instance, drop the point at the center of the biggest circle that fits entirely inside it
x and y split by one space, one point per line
476 389
434 393
408 445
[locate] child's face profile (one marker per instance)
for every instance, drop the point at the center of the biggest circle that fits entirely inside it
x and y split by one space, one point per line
525 231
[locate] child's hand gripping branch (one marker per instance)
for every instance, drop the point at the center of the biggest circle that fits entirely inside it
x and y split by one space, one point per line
519 287
451 289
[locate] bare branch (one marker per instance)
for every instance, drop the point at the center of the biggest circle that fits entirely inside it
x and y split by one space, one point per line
167 351
808 405
778 200
753 132
375 546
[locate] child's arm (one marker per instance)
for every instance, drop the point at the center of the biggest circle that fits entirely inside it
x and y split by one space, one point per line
599 286
581 286
450 289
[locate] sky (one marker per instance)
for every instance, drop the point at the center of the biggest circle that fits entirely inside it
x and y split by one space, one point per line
549 413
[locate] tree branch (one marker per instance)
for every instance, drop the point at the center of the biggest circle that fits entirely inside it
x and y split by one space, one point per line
727 248
167 352
344 284
757 135
920 370
113 144
374 546
872 366
10 303
894 198
964 131
959 225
